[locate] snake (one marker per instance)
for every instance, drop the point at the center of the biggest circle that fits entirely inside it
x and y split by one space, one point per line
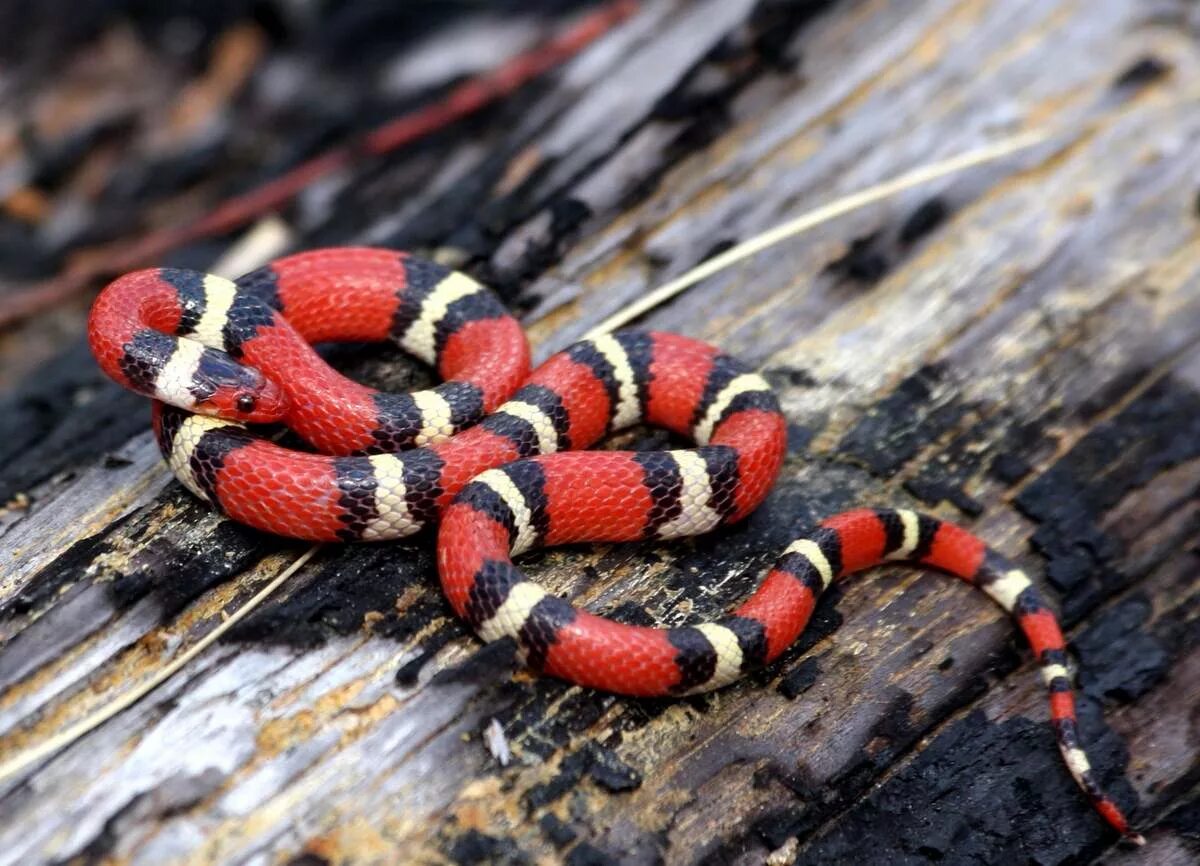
494 457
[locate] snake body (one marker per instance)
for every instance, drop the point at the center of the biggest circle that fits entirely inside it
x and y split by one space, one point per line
492 456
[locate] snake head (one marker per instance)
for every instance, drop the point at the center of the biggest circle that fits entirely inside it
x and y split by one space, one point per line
223 387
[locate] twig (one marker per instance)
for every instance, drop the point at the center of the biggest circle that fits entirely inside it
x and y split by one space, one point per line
465 99
269 238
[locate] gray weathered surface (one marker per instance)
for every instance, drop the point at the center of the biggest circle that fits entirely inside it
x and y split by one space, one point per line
1029 367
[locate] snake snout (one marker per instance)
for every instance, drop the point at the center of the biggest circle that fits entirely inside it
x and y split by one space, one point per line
231 390
262 405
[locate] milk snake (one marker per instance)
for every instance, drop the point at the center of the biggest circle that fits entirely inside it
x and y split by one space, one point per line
487 454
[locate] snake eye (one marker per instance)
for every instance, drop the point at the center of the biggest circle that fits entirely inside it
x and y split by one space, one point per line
245 403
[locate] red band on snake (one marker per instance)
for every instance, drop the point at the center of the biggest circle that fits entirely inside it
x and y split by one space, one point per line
493 455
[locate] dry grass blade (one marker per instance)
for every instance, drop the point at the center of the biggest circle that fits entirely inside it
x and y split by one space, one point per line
819 216
24 760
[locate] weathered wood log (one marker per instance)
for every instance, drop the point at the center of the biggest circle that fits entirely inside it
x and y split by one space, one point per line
1015 349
